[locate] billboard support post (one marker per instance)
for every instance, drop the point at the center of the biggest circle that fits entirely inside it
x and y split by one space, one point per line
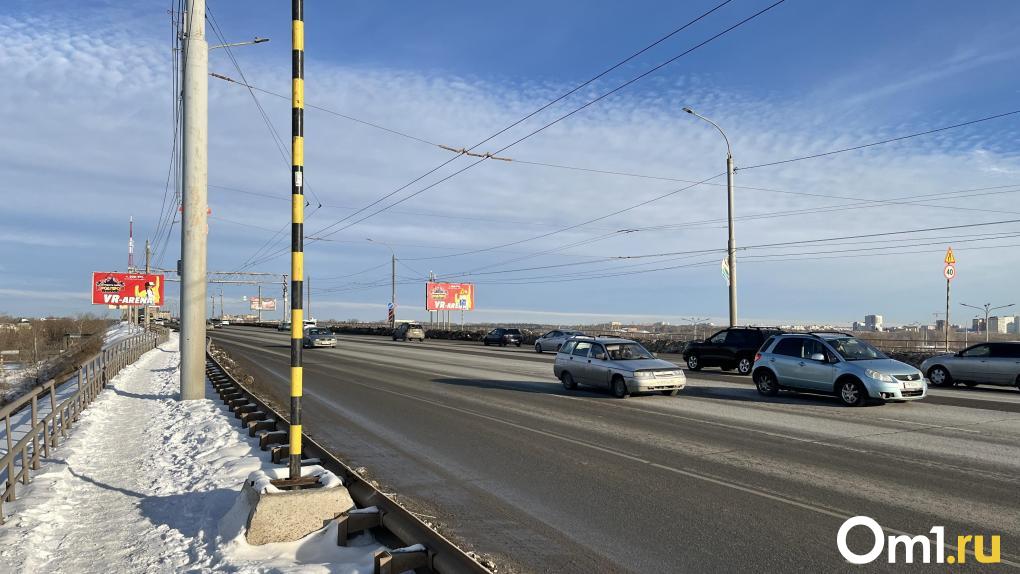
259 320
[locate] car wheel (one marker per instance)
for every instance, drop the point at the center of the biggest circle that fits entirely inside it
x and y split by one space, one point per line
852 393
940 377
693 363
620 387
568 381
671 393
744 366
518 344
538 348
394 338
766 383
486 343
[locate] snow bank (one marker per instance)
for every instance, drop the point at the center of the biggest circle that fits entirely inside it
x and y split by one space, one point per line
150 484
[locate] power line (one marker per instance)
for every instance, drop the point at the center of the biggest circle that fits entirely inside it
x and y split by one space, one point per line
562 117
890 140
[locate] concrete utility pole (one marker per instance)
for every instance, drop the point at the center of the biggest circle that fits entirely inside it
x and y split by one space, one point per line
194 223
731 245
393 281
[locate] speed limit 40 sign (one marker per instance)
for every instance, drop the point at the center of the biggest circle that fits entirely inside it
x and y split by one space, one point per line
949 272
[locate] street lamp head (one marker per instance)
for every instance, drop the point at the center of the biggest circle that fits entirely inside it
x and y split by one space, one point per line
259 40
688 110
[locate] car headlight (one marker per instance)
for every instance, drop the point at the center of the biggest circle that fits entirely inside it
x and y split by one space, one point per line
879 376
644 374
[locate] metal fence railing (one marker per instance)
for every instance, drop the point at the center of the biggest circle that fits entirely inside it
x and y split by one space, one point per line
39 432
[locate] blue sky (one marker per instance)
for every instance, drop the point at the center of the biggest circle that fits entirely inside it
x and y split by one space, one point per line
85 92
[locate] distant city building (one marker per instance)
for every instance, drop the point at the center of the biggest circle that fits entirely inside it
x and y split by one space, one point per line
940 324
1014 327
873 322
615 325
977 325
1000 324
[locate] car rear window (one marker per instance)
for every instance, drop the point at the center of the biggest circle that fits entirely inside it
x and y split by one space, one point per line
790 347
1006 350
513 331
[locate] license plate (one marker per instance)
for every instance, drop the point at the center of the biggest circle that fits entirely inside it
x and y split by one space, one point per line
912 385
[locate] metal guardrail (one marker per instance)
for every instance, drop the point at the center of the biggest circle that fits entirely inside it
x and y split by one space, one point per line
427 549
93 375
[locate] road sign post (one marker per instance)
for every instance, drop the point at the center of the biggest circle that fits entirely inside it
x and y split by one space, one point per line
949 272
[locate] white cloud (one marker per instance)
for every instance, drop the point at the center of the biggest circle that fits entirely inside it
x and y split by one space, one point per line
95 120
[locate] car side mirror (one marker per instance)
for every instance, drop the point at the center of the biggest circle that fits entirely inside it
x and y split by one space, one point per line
818 357
600 356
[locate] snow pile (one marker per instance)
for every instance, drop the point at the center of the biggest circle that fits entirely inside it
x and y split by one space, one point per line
150 484
262 480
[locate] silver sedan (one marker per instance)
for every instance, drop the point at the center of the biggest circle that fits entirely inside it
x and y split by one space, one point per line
553 340
981 364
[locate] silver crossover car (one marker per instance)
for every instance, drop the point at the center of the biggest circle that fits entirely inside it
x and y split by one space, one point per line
620 365
834 363
986 363
409 332
317 337
553 340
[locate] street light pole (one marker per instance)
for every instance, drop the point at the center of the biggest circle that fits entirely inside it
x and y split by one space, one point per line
731 244
393 280
987 308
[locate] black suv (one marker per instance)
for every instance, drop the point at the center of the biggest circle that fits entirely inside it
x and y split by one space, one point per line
732 348
503 337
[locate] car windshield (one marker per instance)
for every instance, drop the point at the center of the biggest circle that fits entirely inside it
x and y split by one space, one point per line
319 332
513 331
627 351
855 349
414 326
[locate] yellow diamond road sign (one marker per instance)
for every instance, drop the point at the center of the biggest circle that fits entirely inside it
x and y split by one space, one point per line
950 258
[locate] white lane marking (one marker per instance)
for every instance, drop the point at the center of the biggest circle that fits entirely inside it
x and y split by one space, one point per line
930 426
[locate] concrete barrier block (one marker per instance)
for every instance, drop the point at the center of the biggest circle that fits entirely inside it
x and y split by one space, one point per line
287 515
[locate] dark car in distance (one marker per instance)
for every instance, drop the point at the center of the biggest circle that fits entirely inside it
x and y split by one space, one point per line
729 349
502 336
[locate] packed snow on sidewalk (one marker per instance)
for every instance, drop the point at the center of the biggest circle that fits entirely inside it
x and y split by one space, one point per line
147 483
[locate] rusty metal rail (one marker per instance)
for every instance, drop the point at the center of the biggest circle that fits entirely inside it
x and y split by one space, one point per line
426 549
46 431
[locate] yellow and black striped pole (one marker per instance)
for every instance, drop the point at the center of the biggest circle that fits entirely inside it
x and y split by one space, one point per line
297 263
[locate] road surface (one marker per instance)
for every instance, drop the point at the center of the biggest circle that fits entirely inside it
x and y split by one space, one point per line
486 444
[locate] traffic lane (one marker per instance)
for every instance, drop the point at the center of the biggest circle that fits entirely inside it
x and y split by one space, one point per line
1008 399
883 422
886 483
680 525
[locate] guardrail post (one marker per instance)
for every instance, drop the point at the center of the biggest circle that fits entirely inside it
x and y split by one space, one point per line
35 434
53 411
10 461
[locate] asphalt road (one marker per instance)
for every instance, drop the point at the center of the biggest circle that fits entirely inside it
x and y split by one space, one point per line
486 444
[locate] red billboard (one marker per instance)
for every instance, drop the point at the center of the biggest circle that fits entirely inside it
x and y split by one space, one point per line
264 304
127 289
449 296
